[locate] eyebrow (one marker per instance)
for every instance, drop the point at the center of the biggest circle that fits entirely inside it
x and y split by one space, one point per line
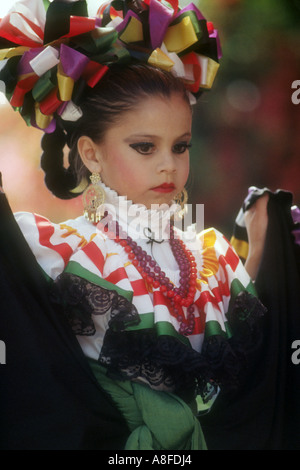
152 136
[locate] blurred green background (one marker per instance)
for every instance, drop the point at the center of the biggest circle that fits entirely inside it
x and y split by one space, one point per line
246 129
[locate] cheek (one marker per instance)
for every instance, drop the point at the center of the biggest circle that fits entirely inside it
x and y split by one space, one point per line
115 166
126 175
185 170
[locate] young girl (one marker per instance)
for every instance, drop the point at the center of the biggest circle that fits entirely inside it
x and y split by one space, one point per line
163 316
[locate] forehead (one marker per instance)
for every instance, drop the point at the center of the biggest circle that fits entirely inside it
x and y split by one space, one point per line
158 115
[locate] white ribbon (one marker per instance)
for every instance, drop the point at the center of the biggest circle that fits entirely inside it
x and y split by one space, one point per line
181 70
178 67
43 62
189 72
203 61
35 12
2 84
71 112
114 22
3 63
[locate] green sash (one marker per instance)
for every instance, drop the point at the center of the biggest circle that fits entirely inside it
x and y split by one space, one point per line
157 420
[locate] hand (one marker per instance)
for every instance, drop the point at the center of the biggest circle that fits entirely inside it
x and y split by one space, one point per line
256 220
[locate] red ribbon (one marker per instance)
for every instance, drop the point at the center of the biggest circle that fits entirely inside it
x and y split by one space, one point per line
16 36
93 72
50 104
191 59
80 25
22 87
173 3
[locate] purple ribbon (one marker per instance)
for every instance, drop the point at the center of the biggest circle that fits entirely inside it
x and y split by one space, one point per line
295 211
120 27
62 107
160 17
72 61
215 35
51 128
190 7
24 66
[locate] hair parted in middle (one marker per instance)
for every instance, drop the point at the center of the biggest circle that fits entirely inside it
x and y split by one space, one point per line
121 89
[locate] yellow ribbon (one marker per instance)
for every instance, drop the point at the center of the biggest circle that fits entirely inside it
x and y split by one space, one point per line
41 119
133 31
12 52
159 59
180 36
211 71
65 84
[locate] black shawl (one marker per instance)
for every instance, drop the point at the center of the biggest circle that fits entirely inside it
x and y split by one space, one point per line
49 398
265 413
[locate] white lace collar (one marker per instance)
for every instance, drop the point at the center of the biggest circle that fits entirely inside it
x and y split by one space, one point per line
136 219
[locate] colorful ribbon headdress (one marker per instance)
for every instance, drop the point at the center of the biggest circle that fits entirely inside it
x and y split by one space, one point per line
50 51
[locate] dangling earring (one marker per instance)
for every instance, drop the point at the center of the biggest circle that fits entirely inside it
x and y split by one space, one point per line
93 197
181 199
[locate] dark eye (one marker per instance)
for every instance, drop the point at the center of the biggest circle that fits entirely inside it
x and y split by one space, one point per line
181 147
145 148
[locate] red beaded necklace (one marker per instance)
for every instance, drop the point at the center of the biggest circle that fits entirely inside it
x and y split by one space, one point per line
178 297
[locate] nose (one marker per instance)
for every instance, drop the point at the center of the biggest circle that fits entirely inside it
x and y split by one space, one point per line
166 162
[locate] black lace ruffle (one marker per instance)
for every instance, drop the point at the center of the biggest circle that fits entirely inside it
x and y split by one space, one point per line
163 362
80 299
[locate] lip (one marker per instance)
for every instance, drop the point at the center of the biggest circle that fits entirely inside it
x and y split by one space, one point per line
164 188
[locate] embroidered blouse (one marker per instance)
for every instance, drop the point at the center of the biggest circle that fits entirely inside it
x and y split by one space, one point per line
126 324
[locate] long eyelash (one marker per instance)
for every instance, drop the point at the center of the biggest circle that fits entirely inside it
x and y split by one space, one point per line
140 144
137 146
144 148
185 145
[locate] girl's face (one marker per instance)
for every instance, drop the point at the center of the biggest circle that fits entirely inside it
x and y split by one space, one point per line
146 155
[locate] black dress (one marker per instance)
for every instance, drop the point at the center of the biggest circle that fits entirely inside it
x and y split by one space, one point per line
49 398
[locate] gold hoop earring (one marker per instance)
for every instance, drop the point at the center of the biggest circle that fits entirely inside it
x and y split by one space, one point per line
181 199
93 197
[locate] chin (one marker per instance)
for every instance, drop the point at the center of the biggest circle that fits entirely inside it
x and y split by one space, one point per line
162 202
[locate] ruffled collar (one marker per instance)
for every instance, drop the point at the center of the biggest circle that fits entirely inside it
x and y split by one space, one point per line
138 221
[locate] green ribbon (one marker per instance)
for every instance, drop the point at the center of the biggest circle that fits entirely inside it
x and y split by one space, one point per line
95 44
213 327
163 328
74 268
43 86
26 109
113 56
194 20
9 74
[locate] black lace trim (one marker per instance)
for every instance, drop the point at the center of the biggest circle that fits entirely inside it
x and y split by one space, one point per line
80 299
163 362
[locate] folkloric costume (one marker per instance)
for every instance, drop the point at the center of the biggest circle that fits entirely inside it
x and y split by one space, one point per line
128 319
160 319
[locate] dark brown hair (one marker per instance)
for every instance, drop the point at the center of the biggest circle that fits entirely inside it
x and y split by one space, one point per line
119 91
